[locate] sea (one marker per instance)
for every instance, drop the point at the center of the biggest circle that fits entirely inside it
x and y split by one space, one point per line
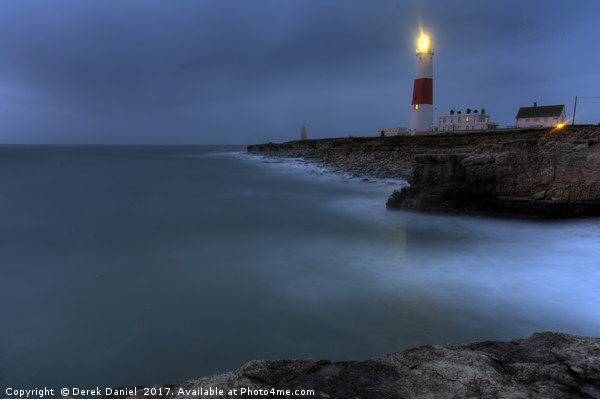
141 265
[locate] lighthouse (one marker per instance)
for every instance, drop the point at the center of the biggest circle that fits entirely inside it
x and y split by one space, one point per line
421 114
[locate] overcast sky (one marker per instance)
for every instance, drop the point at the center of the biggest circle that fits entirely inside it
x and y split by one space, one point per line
249 71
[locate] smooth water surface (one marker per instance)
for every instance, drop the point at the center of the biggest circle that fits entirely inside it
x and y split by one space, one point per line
144 265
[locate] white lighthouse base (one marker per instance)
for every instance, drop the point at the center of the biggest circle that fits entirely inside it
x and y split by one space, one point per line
421 118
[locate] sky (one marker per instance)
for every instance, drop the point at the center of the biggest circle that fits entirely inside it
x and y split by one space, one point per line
253 71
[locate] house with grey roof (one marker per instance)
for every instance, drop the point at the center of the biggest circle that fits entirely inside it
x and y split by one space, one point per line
546 115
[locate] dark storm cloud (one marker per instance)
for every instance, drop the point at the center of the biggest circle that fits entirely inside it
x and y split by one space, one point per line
145 53
134 70
86 54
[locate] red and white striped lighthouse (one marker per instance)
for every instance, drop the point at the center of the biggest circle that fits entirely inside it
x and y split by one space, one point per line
421 115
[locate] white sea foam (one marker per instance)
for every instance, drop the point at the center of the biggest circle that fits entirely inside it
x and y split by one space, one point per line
309 168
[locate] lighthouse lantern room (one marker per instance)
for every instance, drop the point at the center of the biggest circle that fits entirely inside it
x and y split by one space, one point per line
421 116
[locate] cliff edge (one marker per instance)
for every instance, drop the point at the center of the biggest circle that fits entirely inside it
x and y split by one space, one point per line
544 172
546 365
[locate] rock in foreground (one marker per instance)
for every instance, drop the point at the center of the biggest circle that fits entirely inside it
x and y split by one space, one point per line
546 365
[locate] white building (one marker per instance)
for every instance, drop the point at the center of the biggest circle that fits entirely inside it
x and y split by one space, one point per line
391 131
544 116
470 120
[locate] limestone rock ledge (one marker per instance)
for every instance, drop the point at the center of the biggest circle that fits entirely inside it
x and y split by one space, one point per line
547 173
546 365
540 173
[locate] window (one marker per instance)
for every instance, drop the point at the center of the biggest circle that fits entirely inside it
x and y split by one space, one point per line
459 119
467 118
416 106
444 120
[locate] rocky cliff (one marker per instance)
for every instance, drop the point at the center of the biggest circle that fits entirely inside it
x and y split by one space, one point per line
523 172
546 365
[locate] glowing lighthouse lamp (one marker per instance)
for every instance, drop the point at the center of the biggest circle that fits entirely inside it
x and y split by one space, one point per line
421 116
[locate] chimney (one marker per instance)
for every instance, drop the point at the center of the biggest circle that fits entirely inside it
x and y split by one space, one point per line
535 104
